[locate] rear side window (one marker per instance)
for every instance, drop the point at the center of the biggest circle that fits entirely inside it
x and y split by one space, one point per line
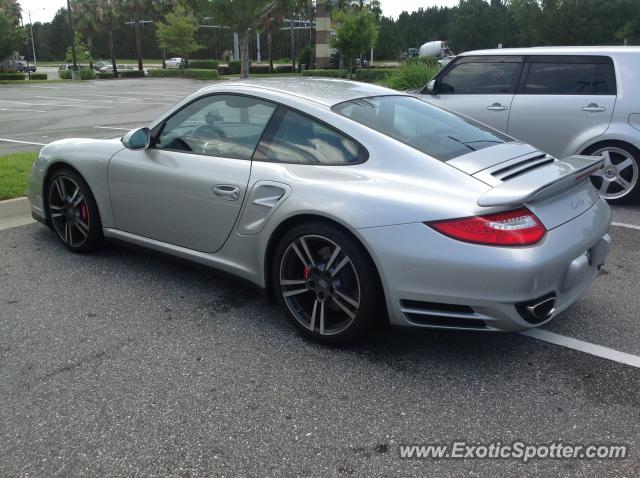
570 76
480 78
292 137
438 133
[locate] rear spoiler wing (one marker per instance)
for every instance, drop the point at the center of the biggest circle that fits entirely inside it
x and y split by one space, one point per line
542 182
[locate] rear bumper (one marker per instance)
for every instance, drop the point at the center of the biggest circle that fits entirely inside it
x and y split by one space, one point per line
433 281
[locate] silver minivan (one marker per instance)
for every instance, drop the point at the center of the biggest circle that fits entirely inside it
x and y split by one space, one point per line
563 100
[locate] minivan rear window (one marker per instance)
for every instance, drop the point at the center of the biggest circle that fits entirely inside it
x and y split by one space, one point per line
433 131
570 76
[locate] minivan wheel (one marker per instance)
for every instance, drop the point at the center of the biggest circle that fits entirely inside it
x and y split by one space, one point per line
618 181
326 283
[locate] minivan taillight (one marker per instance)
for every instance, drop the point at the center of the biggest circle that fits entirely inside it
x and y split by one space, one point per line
519 227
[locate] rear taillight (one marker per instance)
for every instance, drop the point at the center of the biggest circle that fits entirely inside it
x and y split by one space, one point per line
519 227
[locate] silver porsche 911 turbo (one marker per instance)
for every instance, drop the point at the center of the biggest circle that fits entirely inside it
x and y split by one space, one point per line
346 201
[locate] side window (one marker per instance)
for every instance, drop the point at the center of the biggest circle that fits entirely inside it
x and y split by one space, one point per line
227 126
480 78
571 76
296 138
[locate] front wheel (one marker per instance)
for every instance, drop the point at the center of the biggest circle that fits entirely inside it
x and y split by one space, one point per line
326 283
618 181
73 211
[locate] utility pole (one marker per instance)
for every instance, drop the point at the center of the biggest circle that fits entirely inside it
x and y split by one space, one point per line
27 56
74 72
136 26
33 44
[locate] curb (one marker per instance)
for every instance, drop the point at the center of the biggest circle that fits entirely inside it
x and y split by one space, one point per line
15 212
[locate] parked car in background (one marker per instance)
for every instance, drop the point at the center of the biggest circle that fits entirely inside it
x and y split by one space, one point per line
345 200
175 63
69 66
109 68
23 67
563 100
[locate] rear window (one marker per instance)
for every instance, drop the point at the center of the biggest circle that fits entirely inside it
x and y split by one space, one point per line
569 76
438 133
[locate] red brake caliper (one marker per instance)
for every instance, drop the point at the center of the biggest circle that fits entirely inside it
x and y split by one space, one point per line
84 212
307 273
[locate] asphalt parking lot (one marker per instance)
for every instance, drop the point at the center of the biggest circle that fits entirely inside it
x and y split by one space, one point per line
125 362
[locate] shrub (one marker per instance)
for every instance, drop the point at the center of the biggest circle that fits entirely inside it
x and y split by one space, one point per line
283 68
379 74
304 56
65 75
326 73
412 75
223 70
164 73
38 76
424 60
105 75
12 76
131 74
202 74
86 74
203 64
234 67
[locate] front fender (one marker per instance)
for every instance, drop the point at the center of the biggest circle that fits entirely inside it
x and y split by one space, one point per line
89 157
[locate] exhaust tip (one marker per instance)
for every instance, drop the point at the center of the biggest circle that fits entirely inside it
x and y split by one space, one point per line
538 310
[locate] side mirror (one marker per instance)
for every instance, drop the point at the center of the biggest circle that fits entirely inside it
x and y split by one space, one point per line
431 87
136 139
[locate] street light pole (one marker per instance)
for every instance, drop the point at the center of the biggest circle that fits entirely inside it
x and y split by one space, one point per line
33 45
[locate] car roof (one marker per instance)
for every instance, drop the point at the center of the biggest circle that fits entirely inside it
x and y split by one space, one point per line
557 50
325 91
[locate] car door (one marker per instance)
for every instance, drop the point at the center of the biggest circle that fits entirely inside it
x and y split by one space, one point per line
481 87
187 188
563 101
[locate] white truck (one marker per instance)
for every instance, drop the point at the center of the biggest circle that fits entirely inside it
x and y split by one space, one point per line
437 49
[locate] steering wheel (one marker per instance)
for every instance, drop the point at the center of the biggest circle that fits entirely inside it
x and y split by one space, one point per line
208 132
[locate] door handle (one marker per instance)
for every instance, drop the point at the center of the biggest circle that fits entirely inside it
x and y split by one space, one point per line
593 108
227 192
497 107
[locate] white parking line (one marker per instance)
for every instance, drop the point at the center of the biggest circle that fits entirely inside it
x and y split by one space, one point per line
55 104
581 346
22 142
628 226
58 98
22 111
110 127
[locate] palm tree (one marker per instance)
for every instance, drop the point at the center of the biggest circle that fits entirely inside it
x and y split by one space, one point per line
86 22
107 15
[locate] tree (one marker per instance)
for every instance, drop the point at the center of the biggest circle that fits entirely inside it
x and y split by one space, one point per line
135 9
178 33
82 50
356 32
242 16
12 35
107 13
85 22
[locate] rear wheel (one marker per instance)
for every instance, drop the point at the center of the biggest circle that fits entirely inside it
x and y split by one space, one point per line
73 211
326 283
618 181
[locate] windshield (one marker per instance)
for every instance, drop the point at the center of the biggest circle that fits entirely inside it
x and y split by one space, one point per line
426 128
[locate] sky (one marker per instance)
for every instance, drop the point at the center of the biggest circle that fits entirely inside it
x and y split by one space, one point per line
44 10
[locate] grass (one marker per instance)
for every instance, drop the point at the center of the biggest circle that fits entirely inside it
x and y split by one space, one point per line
14 173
